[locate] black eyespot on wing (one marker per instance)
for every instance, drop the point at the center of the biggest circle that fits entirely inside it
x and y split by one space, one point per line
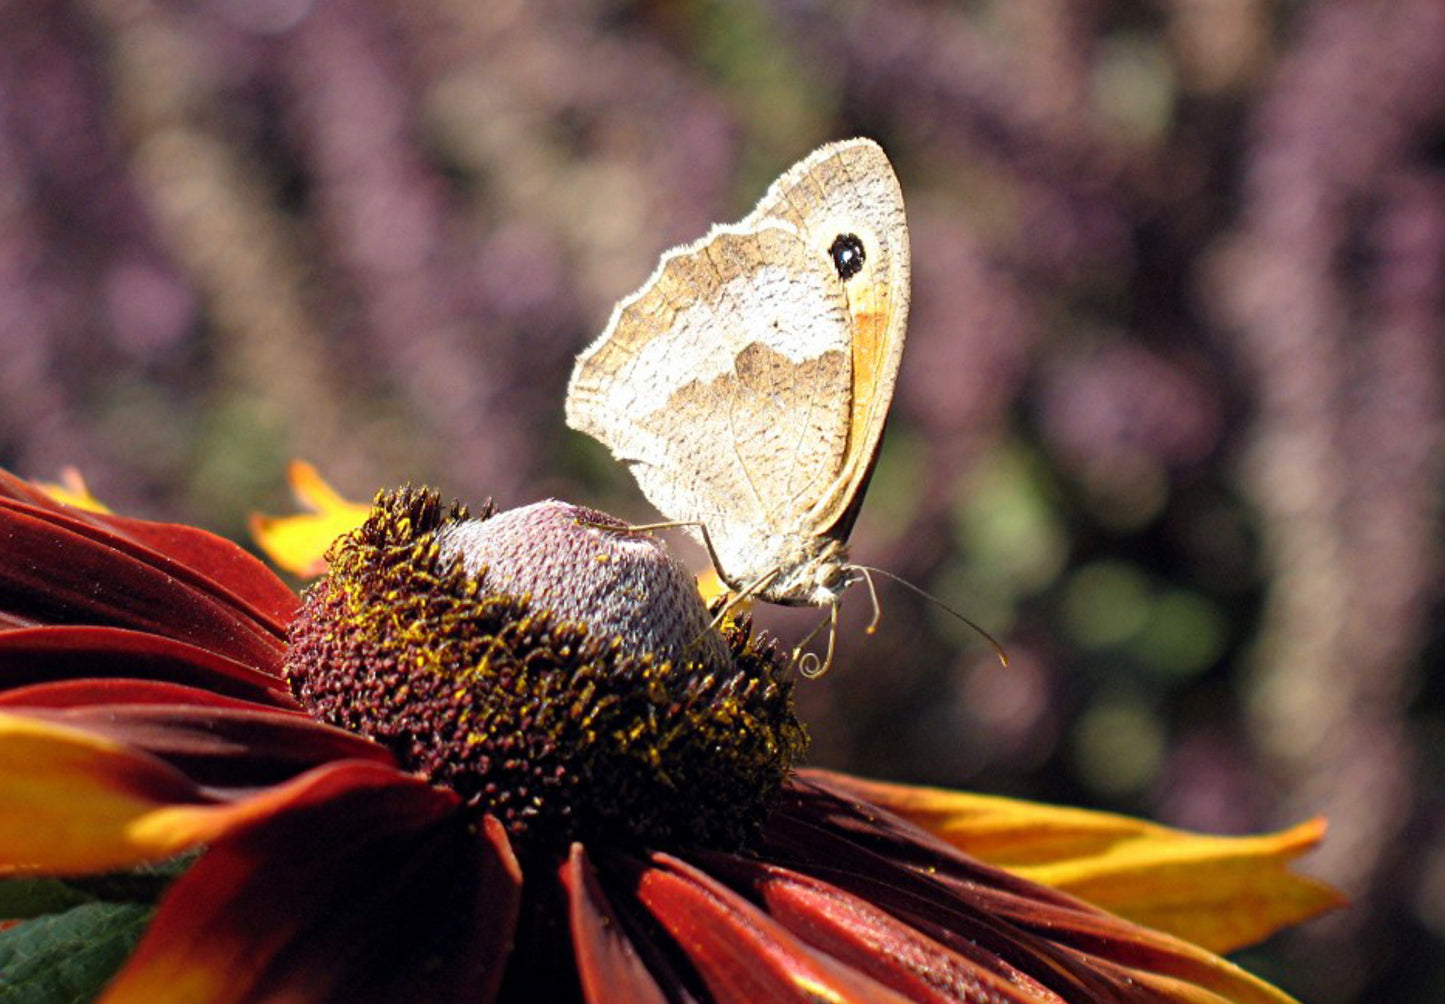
848 257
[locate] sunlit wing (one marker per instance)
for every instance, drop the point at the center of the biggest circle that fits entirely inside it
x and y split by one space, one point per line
725 385
850 187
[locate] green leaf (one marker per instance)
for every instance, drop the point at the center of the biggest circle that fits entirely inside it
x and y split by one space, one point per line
67 958
21 898
145 883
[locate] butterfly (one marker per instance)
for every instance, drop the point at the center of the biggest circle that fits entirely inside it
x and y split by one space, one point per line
747 383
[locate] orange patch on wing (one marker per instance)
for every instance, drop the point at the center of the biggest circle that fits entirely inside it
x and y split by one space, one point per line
871 314
870 330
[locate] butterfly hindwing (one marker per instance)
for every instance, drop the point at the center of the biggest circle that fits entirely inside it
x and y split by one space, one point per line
731 415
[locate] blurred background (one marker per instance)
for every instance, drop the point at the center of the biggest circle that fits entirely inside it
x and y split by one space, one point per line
1169 422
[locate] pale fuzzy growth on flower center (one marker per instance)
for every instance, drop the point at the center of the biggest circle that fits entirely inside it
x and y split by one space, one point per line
591 568
553 668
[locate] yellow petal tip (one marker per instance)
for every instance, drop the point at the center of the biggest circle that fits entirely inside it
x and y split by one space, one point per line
72 490
299 543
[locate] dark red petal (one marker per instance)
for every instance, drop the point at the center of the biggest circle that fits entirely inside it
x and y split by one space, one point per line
1122 948
608 964
50 654
227 568
89 692
57 573
220 747
899 840
862 935
980 912
371 893
741 954
9 621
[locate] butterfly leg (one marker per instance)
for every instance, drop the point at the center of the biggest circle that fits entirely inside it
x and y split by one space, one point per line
808 663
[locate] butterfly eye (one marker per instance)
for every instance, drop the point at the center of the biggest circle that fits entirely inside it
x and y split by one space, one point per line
848 257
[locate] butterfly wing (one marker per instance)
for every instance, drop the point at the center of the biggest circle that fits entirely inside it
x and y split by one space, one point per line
723 384
850 188
747 383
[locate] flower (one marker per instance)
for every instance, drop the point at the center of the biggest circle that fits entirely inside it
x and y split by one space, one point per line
508 757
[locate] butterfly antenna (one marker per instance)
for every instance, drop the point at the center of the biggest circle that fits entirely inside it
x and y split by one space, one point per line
808 663
998 649
872 595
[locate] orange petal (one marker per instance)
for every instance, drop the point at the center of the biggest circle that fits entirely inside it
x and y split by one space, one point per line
866 936
299 543
78 803
1221 893
41 655
710 584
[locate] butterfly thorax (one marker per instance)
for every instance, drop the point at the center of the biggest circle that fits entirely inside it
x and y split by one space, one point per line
798 570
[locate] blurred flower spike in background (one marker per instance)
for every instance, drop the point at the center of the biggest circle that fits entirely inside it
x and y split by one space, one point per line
502 756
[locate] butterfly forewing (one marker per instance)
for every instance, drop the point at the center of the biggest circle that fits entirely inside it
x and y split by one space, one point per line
850 188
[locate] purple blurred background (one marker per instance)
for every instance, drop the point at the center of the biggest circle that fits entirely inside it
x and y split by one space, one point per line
1170 420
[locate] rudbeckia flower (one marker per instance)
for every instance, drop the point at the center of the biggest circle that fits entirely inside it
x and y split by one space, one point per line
506 756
